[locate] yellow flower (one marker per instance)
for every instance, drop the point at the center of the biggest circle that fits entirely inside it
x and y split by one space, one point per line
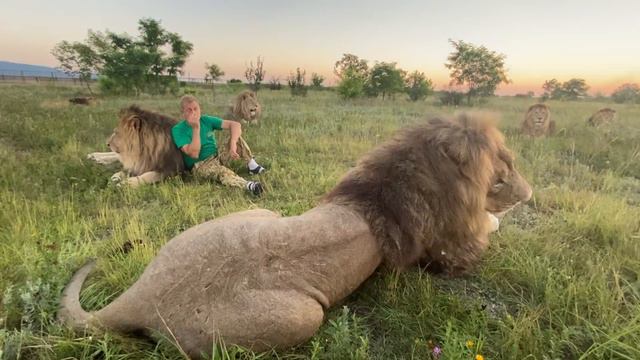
479 357
470 343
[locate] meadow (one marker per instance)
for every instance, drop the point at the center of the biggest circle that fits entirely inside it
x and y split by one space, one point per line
561 279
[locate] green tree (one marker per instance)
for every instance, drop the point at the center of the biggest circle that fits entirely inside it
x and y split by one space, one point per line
352 66
574 89
418 86
478 68
214 73
627 93
150 62
385 79
77 59
255 74
568 90
317 80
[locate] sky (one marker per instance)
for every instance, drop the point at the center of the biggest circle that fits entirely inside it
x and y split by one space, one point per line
598 41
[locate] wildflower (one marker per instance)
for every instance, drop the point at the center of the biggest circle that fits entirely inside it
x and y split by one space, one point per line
470 344
479 357
436 352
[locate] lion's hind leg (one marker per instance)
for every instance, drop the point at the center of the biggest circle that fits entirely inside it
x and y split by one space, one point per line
276 319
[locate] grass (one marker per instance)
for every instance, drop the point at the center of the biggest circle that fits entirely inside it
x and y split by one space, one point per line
561 279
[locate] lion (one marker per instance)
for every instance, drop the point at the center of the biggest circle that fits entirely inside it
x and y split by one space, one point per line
537 122
245 108
142 142
602 117
263 281
82 100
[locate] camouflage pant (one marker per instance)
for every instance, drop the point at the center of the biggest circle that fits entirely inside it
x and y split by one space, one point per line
215 166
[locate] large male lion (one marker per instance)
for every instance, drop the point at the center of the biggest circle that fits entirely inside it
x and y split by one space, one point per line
537 122
142 143
259 280
245 108
602 117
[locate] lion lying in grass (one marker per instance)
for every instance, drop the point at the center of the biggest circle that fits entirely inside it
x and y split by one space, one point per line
601 117
259 280
142 143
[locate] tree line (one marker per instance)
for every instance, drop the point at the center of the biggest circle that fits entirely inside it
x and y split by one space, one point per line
151 62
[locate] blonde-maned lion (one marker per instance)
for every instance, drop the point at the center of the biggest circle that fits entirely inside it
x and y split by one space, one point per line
245 108
253 278
602 117
537 121
142 143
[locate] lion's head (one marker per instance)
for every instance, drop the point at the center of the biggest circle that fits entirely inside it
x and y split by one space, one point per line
537 121
246 107
143 141
427 192
602 117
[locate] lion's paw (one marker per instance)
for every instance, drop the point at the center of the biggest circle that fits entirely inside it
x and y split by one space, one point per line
495 223
117 178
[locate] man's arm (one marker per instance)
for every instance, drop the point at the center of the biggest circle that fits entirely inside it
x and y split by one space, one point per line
193 150
236 130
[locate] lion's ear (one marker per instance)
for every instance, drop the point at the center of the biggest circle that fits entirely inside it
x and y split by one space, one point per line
134 122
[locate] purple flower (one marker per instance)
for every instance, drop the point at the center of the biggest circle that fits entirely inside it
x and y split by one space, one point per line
436 352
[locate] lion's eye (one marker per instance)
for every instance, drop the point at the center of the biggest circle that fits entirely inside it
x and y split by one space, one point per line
498 185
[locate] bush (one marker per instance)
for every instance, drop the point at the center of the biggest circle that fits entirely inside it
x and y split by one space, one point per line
627 93
274 84
351 85
451 98
296 83
418 86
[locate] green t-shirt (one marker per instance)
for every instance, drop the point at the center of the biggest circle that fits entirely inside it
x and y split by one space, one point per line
182 135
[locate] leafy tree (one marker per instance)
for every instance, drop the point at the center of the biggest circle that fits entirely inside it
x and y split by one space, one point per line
296 83
77 59
569 90
352 66
478 68
255 74
152 61
574 89
352 84
317 80
213 74
418 86
385 79
627 93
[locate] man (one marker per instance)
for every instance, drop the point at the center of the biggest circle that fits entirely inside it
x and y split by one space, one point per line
194 136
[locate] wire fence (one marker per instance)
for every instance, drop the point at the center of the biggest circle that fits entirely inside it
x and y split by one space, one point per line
36 76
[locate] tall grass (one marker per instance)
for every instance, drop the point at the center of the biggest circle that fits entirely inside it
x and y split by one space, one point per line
561 279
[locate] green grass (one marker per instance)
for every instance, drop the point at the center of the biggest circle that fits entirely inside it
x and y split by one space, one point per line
561 279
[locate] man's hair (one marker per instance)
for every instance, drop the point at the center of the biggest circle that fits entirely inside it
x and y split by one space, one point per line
187 99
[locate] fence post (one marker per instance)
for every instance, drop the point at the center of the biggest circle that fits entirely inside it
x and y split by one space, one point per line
22 75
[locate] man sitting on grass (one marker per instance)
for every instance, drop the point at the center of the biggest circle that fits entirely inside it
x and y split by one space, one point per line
194 136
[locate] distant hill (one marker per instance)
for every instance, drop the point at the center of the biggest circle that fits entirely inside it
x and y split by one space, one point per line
11 68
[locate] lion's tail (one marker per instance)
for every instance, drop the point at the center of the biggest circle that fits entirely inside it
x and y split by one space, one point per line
70 311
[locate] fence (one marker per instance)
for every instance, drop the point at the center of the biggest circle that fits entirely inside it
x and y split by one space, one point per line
26 76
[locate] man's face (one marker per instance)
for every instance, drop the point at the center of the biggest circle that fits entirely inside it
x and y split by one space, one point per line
191 112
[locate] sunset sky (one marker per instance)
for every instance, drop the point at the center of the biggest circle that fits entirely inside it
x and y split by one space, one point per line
595 40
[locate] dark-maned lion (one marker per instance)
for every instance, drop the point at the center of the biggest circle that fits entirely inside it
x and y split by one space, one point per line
245 108
602 117
142 143
537 121
259 280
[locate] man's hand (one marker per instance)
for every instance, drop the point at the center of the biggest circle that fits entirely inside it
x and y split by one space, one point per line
233 150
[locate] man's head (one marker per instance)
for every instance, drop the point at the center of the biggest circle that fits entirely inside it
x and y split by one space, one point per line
190 109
